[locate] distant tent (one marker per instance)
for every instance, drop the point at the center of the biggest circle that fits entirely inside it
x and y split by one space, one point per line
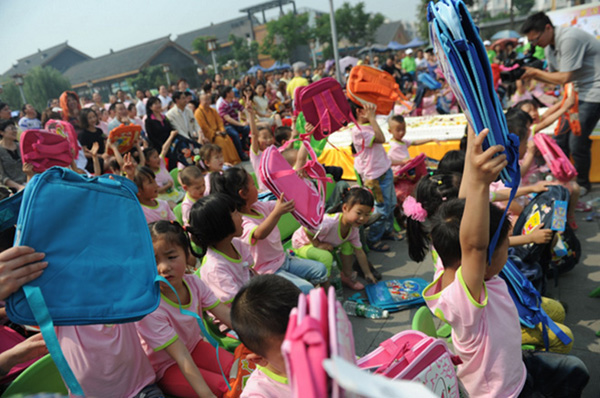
394 45
376 48
278 66
255 69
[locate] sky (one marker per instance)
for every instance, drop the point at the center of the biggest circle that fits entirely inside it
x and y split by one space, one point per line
96 27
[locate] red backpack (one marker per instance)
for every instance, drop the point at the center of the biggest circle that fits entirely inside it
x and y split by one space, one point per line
325 106
44 149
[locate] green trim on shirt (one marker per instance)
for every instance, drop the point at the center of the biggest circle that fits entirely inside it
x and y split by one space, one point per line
272 375
430 286
187 196
471 299
210 307
252 241
152 207
176 305
233 260
168 343
339 230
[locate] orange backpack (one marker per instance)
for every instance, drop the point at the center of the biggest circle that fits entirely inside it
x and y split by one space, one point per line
240 371
371 85
571 116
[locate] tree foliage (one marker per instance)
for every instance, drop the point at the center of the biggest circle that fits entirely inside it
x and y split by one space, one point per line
150 77
40 85
285 34
356 25
200 44
243 53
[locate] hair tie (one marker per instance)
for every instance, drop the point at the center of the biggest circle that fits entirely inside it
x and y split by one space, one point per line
414 209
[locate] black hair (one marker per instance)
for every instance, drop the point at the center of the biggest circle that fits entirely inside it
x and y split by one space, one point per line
463 141
131 106
524 102
83 117
3 105
143 174
354 108
260 311
430 192
173 232
207 88
6 123
113 106
246 87
210 220
176 95
181 80
230 182
398 119
354 196
452 161
445 229
189 174
151 101
224 90
149 151
517 121
282 133
536 22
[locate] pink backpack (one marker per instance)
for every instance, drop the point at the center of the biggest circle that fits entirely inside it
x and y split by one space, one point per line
281 179
414 169
325 106
317 329
67 130
44 149
412 355
555 158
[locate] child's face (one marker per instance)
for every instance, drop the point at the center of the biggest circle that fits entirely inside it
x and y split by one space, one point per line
250 194
153 161
532 111
356 215
149 189
523 143
216 162
171 261
196 188
499 259
397 130
236 216
265 139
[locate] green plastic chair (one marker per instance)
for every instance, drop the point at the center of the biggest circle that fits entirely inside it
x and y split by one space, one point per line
287 226
329 187
177 212
228 343
174 173
41 377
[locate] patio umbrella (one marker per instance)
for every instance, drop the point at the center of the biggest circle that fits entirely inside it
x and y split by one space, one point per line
394 45
506 34
416 42
255 69
347 61
503 42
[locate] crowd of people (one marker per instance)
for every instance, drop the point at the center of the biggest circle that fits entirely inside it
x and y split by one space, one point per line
200 202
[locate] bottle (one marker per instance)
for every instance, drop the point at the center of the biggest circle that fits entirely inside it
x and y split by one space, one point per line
353 308
336 281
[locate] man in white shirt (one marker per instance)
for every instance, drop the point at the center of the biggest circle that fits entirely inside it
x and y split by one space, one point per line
30 120
121 116
165 99
141 104
183 120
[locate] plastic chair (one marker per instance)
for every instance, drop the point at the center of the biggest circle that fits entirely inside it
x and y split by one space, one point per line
174 173
227 342
177 212
423 322
41 377
329 187
287 226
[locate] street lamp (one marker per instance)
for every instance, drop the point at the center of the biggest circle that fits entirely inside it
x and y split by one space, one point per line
211 45
19 82
334 41
166 69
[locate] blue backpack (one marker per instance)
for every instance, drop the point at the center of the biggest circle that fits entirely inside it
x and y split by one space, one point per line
529 302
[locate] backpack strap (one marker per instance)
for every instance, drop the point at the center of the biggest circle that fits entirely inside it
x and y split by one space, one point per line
44 320
205 333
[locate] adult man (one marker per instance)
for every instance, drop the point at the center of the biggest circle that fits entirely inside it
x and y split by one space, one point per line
96 98
141 103
182 119
573 56
298 81
165 99
390 67
30 120
229 110
213 128
184 86
121 115
409 65
122 97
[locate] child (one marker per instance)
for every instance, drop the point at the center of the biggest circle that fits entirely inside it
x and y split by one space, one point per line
259 221
156 162
374 167
260 314
154 209
194 186
398 152
216 226
340 230
260 140
185 364
210 161
470 296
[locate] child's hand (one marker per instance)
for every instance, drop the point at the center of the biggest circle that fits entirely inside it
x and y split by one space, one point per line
370 277
531 147
539 235
541 186
128 166
94 150
308 128
283 207
324 246
28 170
485 165
370 111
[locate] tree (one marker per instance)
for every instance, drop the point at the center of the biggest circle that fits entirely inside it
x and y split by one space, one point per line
285 34
200 44
423 24
523 6
356 25
40 85
243 53
322 32
150 77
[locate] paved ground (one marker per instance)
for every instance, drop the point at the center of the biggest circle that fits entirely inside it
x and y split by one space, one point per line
583 313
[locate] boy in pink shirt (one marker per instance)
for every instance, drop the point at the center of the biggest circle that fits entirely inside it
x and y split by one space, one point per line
470 296
374 167
260 314
194 185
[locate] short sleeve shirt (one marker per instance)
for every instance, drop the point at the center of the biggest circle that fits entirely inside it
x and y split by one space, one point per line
162 176
329 232
398 152
486 335
26 123
371 161
577 50
268 253
255 161
186 207
265 384
162 211
166 324
229 108
225 275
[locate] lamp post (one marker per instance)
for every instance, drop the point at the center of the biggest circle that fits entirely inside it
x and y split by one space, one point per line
166 69
334 41
19 82
312 45
90 86
211 45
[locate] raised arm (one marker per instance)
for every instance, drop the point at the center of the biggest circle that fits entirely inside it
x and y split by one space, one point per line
267 226
167 144
379 136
